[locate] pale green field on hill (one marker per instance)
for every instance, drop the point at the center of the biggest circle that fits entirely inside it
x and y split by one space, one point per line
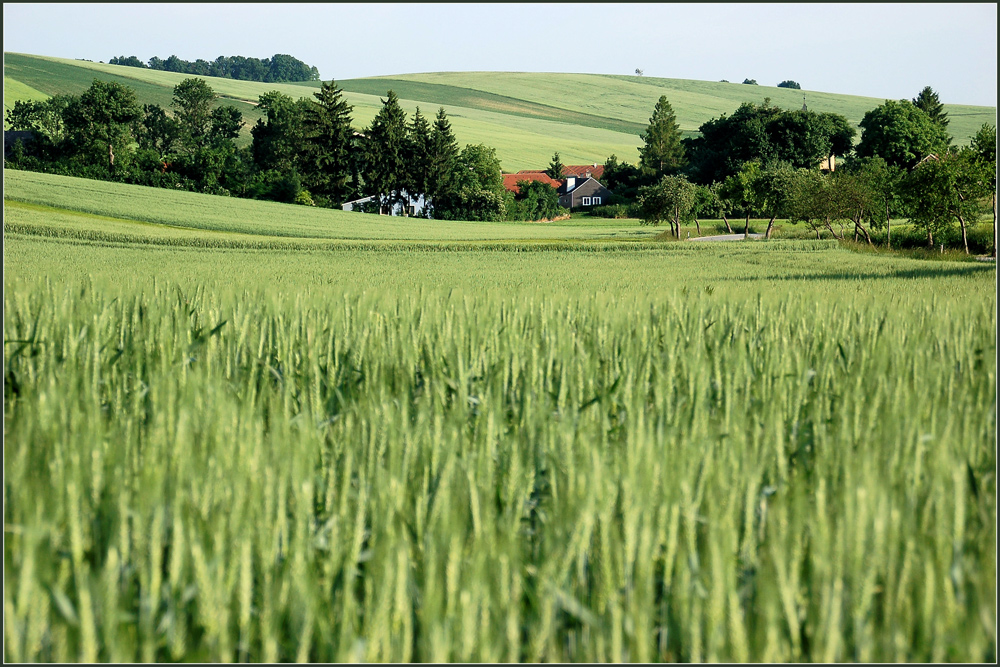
525 116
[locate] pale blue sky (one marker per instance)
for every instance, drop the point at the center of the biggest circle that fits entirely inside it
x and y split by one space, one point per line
878 50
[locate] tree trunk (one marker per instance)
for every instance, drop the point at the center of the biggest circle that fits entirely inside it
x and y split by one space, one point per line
864 231
833 233
698 226
930 240
746 228
730 229
994 224
965 239
888 228
770 226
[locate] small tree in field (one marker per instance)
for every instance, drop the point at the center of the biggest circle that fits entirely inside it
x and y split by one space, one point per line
789 84
671 199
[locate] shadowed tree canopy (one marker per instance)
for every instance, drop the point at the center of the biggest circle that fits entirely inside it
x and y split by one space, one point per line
766 133
326 146
385 155
192 103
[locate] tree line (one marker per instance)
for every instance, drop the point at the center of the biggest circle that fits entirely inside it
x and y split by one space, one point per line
764 162
277 69
302 151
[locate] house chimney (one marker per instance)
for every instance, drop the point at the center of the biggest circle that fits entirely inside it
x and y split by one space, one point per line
570 183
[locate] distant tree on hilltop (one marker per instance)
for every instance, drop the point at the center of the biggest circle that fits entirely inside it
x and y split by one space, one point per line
789 84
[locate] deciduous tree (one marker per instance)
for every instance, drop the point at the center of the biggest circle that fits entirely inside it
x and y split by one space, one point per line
901 134
670 199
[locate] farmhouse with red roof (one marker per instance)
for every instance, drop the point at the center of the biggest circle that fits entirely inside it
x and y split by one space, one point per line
579 186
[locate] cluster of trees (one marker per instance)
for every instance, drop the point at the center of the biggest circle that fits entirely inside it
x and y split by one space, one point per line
281 67
301 151
763 162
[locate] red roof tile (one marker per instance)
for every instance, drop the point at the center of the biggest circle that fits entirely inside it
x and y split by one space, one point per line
577 170
510 180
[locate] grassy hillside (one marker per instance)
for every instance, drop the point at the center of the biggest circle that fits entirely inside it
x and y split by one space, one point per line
525 116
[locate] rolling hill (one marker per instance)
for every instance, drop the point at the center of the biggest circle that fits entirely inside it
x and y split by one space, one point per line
525 116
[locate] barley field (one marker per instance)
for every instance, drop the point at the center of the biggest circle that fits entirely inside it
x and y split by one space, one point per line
445 450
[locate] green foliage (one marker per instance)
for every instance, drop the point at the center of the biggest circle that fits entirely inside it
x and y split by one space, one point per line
476 191
442 159
418 154
280 67
192 105
662 152
556 168
752 82
279 136
765 133
535 201
945 190
929 102
100 124
670 199
901 134
327 155
386 173
788 83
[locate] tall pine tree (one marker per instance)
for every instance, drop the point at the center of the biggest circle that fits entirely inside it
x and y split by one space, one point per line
385 155
662 151
418 154
929 102
326 150
442 158
556 167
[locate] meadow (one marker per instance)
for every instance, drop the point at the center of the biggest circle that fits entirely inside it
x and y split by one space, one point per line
474 442
526 116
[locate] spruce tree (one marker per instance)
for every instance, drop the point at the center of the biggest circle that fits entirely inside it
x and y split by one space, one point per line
326 156
386 171
442 159
556 167
929 102
418 154
662 152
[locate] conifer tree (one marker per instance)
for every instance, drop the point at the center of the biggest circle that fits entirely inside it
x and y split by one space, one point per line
418 154
326 155
556 167
662 152
385 155
929 102
442 158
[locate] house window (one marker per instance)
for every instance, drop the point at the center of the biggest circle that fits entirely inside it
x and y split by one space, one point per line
586 201
596 201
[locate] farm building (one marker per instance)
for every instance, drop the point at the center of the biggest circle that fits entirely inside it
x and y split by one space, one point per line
578 187
576 192
411 207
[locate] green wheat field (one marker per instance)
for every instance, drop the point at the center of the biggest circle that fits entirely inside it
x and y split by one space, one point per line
246 431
